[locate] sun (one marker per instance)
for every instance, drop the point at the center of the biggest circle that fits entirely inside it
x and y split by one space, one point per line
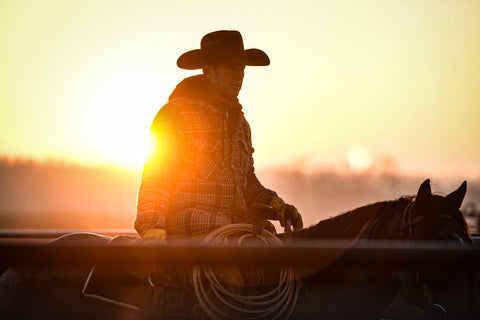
359 158
117 119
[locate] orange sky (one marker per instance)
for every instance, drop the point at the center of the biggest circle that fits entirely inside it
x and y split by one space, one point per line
378 83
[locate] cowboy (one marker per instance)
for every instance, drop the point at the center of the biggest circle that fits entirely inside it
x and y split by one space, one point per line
199 174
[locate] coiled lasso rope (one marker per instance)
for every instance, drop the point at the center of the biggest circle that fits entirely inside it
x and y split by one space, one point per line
278 303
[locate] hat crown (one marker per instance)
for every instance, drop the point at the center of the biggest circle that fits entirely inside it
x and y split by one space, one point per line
224 44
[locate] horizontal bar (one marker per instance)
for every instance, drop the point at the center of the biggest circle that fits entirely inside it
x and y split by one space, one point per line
55 233
364 254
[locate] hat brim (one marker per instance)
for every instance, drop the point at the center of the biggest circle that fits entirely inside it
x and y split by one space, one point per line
196 59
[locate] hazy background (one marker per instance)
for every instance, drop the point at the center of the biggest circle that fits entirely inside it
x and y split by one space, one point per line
59 195
363 100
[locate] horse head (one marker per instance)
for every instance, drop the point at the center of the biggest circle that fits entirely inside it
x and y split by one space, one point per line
432 217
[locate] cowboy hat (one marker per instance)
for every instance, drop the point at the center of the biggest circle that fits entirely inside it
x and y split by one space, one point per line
222 46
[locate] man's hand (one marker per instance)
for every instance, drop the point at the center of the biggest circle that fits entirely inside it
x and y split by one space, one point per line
157 235
159 274
285 211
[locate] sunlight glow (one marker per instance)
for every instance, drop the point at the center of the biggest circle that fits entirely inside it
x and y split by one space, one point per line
359 158
117 123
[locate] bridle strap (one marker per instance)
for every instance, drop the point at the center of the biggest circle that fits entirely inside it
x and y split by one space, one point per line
408 221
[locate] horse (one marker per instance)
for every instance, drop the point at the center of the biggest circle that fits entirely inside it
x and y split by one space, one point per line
425 217
335 292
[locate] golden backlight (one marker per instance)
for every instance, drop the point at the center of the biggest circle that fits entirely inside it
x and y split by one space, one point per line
83 80
117 120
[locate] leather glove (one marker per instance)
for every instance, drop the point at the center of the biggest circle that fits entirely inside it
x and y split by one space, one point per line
156 234
286 211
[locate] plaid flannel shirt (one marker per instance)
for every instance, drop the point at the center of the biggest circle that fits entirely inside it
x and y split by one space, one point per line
199 175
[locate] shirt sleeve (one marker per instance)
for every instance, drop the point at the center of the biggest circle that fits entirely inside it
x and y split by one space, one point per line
256 192
158 173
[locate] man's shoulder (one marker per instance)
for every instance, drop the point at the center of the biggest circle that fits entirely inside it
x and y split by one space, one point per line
178 112
179 106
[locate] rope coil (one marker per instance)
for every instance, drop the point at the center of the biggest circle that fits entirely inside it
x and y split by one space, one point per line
278 303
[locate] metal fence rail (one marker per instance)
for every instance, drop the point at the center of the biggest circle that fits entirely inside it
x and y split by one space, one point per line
55 233
365 254
21 247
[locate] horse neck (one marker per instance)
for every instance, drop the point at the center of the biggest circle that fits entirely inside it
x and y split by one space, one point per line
388 222
380 220
348 225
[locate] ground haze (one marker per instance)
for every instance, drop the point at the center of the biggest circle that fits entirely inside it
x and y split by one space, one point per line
58 195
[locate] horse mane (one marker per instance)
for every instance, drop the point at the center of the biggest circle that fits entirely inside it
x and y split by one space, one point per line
351 224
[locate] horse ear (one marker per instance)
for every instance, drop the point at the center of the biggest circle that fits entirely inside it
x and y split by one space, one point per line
424 195
456 197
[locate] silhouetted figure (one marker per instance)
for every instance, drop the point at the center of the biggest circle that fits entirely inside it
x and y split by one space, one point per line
200 175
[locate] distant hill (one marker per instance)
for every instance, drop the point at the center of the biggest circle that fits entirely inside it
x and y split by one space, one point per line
56 195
